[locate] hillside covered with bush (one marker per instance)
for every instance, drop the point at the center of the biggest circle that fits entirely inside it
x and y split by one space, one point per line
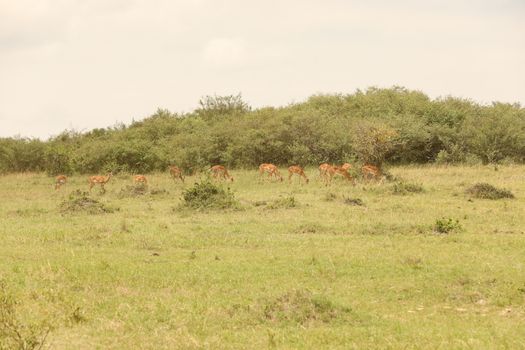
324 128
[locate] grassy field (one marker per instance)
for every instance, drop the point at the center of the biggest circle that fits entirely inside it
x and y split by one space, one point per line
296 266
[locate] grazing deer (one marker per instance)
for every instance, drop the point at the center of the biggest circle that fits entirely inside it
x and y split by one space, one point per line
271 169
176 173
327 172
370 172
219 171
294 169
59 181
140 179
346 166
101 180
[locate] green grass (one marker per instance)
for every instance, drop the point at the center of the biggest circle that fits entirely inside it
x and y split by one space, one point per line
320 273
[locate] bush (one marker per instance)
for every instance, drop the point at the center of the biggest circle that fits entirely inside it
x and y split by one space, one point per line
354 201
487 191
404 188
135 190
286 202
302 307
15 334
80 201
207 195
446 225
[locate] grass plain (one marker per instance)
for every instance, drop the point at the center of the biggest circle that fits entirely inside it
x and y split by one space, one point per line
348 267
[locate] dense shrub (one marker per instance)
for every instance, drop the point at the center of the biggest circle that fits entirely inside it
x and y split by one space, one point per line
394 125
81 202
207 195
487 191
446 225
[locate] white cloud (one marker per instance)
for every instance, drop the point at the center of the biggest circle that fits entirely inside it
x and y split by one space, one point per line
90 63
224 51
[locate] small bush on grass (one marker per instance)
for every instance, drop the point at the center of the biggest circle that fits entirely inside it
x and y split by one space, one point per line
353 201
487 191
79 201
446 225
206 195
286 202
14 333
404 188
135 190
302 307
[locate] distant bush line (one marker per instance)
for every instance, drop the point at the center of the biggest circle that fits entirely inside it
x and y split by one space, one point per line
324 128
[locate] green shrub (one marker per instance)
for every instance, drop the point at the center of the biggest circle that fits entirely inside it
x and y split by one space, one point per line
207 195
487 191
354 201
15 333
446 225
404 188
79 201
302 307
134 190
286 202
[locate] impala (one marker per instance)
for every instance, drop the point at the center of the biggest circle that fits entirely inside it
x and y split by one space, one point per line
271 170
219 171
370 171
176 173
294 169
101 180
59 181
346 166
140 179
327 172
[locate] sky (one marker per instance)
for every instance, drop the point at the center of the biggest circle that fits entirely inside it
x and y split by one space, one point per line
84 64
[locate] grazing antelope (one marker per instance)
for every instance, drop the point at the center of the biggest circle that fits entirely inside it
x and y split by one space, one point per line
370 172
219 171
346 166
271 169
323 170
327 172
294 169
140 179
176 173
101 180
59 181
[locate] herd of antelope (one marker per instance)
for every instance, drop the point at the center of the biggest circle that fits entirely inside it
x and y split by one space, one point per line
219 172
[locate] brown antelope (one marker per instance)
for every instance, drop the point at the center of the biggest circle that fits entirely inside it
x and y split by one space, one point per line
140 179
219 171
370 172
59 181
346 166
101 180
271 169
176 173
294 169
327 172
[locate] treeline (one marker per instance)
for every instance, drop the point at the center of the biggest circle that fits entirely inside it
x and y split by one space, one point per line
325 128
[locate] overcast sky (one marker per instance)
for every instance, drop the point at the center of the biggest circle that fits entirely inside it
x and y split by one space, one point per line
81 64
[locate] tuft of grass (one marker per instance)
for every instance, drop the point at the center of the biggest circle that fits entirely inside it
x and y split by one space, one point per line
303 307
207 195
79 201
404 188
286 203
484 190
353 201
446 225
330 196
134 190
14 333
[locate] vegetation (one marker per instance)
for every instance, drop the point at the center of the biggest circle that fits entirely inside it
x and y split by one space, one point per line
207 195
487 191
323 274
395 125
